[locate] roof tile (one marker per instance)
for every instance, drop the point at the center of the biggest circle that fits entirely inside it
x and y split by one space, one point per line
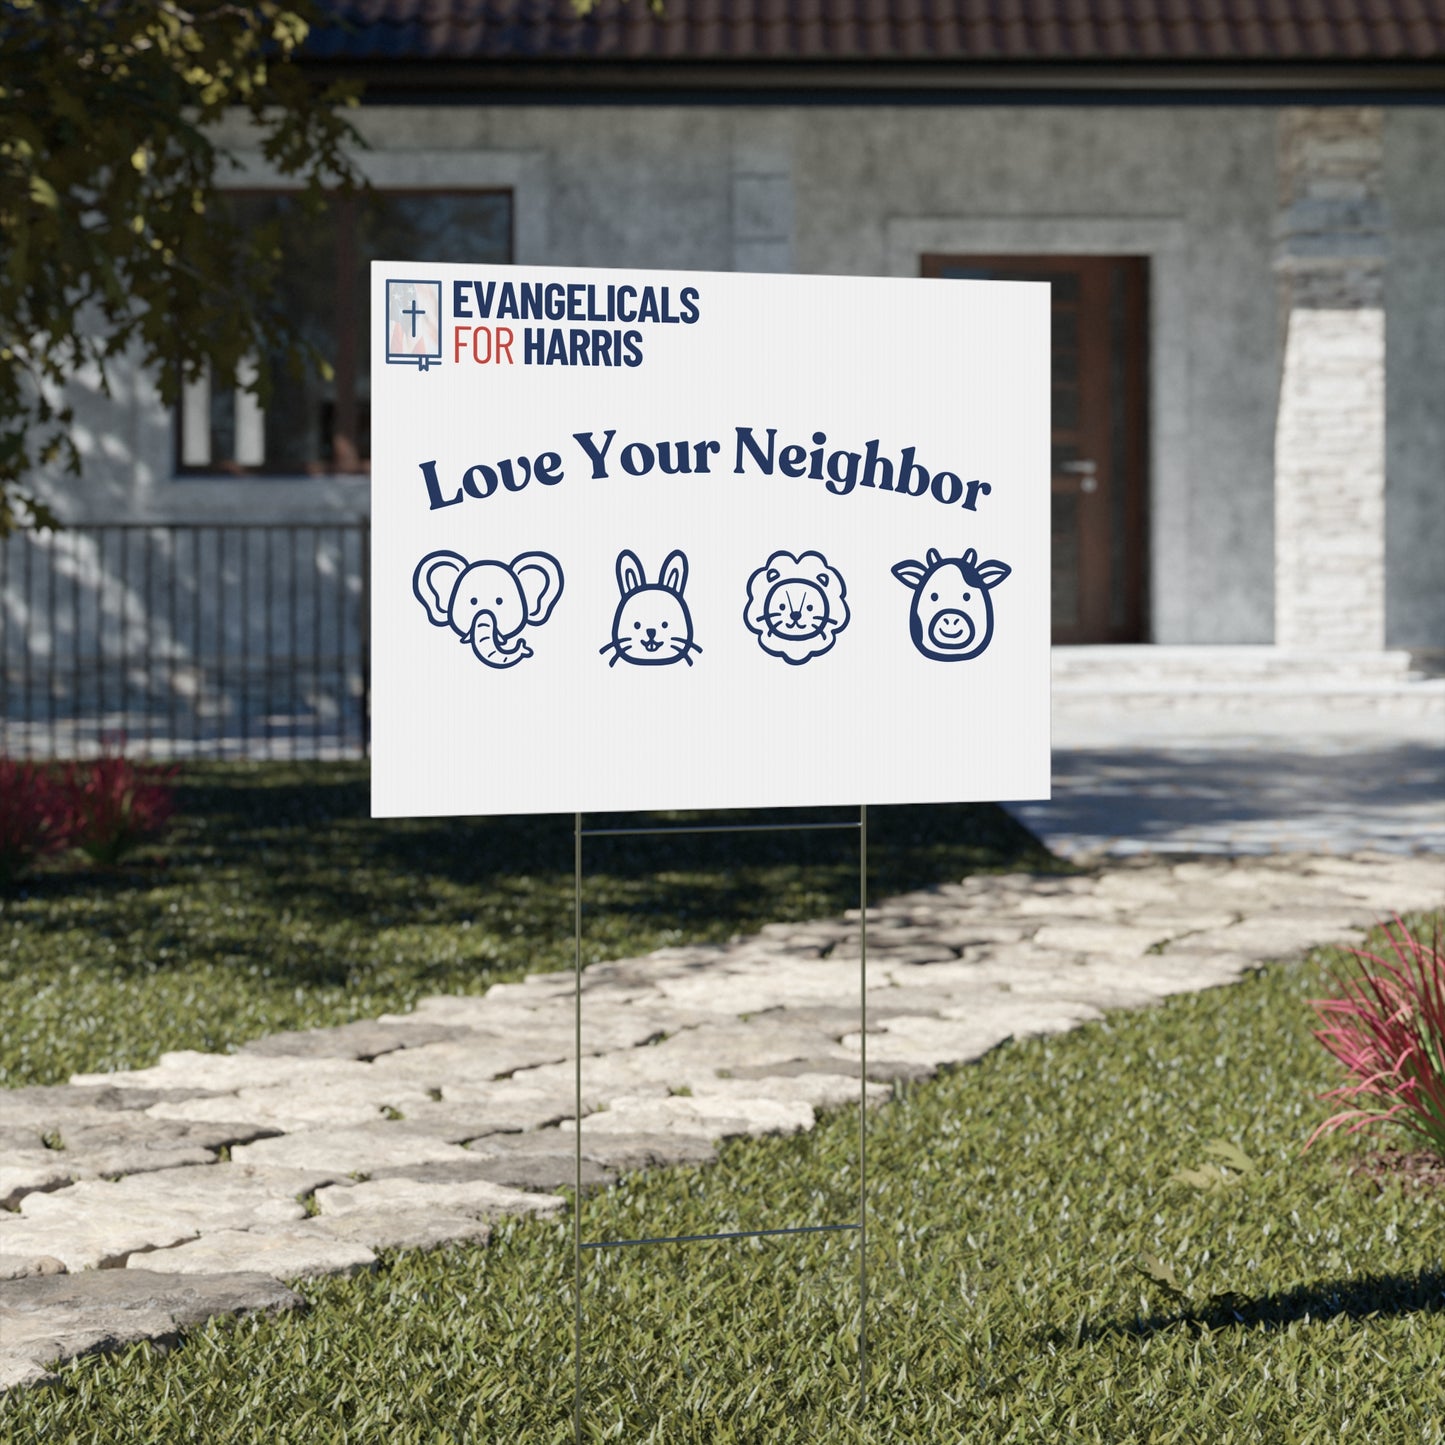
1038 31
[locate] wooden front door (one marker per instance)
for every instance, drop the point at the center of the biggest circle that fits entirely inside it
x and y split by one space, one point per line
1099 433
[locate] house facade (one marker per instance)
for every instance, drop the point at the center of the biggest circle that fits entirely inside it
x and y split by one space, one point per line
1241 211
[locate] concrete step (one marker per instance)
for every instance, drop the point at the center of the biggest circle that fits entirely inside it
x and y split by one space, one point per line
1419 699
1207 667
1244 683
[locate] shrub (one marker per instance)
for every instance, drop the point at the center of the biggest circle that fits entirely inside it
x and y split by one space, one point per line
116 805
34 816
1388 1030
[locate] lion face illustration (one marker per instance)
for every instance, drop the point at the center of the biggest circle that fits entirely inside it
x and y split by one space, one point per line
795 609
796 606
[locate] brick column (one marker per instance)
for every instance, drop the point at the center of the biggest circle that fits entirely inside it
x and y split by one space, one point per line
1329 451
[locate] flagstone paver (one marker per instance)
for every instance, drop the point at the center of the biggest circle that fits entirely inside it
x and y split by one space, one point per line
410 1131
297 1252
50 1317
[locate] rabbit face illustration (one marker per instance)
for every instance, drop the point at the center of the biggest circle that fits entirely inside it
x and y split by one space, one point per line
652 625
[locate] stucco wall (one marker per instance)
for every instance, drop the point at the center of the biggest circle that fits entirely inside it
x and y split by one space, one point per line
1194 190
1415 380
863 191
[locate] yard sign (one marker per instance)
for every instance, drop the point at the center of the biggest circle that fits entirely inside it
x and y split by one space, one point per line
649 540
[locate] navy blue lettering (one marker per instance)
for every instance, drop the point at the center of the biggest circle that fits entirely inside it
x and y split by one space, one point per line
483 293
647 311
460 310
509 480
434 490
907 468
689 304
548 469
745 439
792 461
946 482
637 459
872 463
626 291
597 457
531 297
815 470
970 502
841 482
665 459
632 340
488 483
556 301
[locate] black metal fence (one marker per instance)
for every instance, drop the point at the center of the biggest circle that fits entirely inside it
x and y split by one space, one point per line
186 640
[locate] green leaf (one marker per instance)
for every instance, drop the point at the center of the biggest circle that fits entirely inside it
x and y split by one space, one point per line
1160 1271
1230 1154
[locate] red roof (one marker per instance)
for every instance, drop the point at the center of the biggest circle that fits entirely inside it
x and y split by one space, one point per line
1038 32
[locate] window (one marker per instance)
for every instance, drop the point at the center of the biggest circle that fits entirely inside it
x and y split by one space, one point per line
315 427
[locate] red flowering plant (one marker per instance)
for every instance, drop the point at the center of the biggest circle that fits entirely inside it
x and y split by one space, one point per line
1388 1030
34 816
116 805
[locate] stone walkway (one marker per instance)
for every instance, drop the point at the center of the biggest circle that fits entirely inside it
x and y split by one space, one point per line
126 1220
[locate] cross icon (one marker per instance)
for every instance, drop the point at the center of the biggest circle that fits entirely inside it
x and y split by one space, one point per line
413 311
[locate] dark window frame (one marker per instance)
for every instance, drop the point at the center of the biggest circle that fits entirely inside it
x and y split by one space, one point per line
345 448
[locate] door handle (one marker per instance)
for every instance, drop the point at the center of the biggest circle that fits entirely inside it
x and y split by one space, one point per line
1085 470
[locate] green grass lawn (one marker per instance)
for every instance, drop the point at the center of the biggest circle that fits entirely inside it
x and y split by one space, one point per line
276 903
1011 1202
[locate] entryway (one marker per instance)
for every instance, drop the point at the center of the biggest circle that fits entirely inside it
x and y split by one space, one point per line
1100 423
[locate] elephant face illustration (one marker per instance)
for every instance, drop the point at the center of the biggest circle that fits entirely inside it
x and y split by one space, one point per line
488 603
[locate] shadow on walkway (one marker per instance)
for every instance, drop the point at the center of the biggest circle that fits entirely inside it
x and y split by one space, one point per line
1243 799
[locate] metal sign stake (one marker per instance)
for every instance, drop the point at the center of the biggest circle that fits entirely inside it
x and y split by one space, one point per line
861 1227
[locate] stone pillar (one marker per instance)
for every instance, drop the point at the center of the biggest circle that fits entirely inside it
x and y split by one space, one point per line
762 192
1329 454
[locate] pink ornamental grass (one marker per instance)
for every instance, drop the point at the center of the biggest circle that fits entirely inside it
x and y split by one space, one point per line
35 816
116 805
1388 1030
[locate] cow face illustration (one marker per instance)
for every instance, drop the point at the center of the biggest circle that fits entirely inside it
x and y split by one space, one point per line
951 618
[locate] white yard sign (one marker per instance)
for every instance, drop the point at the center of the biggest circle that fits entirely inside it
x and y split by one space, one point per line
648 540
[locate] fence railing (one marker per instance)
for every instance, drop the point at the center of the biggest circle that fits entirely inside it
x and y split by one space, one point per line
186 640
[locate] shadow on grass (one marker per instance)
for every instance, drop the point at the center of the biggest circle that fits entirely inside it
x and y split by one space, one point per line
320 821
296 842
1364 1297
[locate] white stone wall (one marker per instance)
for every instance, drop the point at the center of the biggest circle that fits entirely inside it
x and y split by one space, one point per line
860 190
1330 482
1329 468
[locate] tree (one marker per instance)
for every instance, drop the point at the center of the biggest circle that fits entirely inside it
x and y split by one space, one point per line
113 238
